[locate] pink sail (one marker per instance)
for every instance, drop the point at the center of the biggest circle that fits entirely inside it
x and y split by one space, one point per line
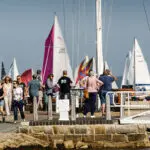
56 58
48 56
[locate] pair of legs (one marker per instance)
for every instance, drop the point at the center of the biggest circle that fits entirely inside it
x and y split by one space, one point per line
1 107
8 104
31 102
64 95
90 104
18 105
102 96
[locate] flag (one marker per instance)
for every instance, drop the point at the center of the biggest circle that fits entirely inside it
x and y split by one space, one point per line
84 69
3 73
26 76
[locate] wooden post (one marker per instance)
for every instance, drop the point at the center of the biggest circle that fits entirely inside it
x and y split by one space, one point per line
73 104
35 114
50 108
108 113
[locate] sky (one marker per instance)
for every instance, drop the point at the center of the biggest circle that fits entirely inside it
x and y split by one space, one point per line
25 25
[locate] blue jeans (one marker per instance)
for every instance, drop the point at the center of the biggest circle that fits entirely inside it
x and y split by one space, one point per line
18 105
102 96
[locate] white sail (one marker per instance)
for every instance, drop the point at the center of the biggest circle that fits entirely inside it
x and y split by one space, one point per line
126 69
114 85
138 73
13 71
61 59
56 58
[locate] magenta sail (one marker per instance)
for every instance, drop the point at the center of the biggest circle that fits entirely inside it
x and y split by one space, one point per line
48 56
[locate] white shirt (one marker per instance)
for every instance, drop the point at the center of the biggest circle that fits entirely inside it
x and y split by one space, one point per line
17 94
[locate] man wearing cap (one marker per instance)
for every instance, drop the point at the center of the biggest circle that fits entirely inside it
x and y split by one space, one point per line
65 85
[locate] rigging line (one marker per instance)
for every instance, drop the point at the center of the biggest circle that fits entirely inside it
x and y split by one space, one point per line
146 15
109 23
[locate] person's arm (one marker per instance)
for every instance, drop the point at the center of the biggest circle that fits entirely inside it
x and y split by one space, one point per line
115 78
4 93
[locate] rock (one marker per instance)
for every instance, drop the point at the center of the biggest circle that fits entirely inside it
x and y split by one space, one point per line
80 144
69 144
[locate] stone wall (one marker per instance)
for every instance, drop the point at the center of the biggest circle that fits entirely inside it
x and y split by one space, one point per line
94 136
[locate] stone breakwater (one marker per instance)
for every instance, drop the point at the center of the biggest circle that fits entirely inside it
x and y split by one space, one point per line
78 136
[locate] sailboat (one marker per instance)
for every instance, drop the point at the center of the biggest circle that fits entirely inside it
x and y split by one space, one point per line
136 71
56 58
13 71
3 72
126 69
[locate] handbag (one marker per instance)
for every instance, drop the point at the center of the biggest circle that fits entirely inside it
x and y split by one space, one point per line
56 89
85 93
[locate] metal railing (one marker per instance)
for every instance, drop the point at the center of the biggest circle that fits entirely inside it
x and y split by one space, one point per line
127 101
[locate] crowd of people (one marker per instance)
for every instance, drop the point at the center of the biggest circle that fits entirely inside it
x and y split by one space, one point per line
14 95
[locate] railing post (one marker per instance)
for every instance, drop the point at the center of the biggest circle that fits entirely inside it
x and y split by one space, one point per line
108 113
50 108
73 105
35 114
122 107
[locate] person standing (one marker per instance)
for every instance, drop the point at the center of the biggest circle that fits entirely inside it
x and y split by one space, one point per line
17 101
34 87
23 86
2 95
107 78
92 85
65 85
8 97
49 85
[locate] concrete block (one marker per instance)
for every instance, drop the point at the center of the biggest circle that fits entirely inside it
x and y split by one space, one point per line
102 137
48 130
100 129
110 129
136 137
124 129
61 130
36 129
80 129
119 138
56 137
88 138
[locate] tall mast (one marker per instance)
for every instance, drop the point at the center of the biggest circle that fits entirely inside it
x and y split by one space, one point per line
99 53
134 68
